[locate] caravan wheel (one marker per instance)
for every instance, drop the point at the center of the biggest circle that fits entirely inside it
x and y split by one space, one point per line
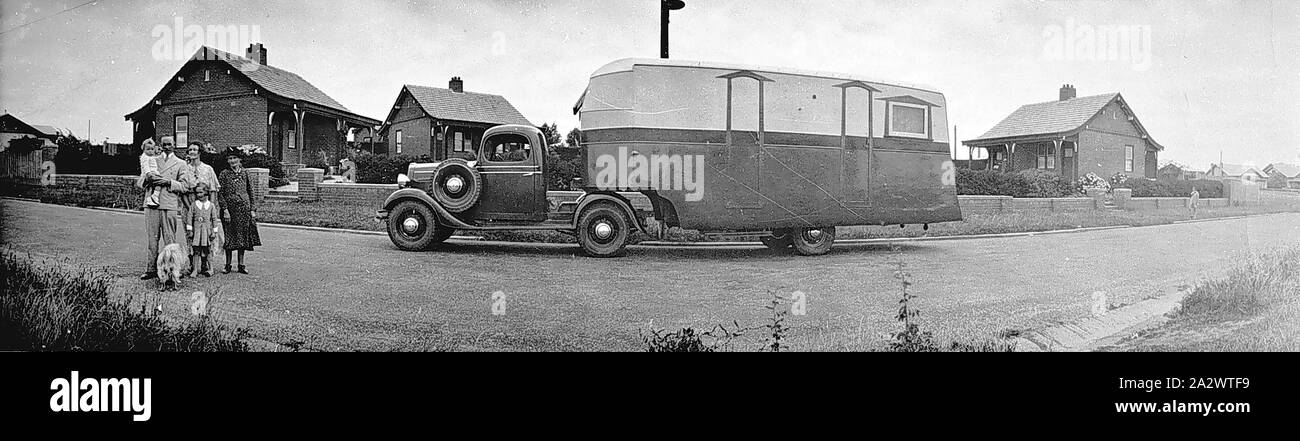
813 241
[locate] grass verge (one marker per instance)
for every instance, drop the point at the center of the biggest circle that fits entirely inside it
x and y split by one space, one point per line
1255 307
44 306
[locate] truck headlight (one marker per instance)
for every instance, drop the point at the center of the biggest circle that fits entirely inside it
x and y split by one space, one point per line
402 179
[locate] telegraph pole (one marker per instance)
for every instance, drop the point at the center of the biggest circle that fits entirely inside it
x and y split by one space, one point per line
664 7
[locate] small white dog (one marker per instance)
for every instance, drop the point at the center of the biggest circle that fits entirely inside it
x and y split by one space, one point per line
171 263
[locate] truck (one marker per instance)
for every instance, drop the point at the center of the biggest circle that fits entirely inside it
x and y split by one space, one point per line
782 154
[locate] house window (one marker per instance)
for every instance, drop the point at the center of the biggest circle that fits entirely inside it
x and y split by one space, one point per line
459 144
909 120
182 130
207 75
293 138
399 142
1128 158
1046 161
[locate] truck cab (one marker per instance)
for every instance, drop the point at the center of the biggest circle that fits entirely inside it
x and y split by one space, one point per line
503 188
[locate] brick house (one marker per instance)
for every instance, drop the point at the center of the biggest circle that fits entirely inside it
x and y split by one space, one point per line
1174 172
1072 136
1238 172
230 101
444 123
1289 173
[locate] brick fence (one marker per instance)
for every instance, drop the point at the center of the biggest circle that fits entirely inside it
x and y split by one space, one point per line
260 178
370 195
95 180
1008 204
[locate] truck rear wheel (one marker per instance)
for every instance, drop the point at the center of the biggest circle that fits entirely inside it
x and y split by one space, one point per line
779 240
413 226
813 241
603 230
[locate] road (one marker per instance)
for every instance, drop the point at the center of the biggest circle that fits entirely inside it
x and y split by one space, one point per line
337 291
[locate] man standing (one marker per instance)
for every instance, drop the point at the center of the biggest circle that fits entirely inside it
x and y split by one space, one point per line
163 219
1194 201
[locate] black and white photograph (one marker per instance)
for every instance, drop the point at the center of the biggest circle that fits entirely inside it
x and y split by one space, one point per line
1101 193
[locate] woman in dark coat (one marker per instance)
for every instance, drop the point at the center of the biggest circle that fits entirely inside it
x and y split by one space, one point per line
237 201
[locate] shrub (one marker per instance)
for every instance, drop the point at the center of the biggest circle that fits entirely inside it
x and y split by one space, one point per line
1091 181
380 169
1117 179
45 307
1023 184
690 340
979 182
562 165
1044 184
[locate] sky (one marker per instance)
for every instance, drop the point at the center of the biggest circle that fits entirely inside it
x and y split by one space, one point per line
1206 78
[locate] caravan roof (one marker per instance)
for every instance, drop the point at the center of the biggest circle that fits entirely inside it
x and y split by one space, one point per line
626 64
696 95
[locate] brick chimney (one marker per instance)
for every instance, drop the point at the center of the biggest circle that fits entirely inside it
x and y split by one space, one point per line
1067 92
456 85
256 53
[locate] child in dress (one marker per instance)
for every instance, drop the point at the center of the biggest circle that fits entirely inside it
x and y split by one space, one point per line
202 228
149 165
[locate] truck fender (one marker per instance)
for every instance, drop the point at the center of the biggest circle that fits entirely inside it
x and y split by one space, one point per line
620 201
420 195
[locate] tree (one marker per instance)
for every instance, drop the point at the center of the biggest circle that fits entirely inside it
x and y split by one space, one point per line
574 139
552 133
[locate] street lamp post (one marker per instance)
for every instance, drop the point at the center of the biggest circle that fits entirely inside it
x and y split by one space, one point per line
664 7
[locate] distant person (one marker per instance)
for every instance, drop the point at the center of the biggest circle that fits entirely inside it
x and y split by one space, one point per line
1194 201
237 201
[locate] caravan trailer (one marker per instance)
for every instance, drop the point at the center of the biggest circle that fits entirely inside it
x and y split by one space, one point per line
784 154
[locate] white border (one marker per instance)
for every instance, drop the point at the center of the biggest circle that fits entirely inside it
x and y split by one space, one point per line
890 122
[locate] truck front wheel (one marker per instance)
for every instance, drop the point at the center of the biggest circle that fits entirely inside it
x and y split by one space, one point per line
603 230
813 241
413 226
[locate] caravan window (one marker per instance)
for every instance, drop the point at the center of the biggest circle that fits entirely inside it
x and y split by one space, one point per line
910 120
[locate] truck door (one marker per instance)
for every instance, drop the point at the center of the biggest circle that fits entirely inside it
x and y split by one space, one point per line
513 185
744 140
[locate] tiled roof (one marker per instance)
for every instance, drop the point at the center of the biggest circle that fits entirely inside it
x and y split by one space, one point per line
1049 117
466 106
1236 169
1289 170
275 80
47 130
